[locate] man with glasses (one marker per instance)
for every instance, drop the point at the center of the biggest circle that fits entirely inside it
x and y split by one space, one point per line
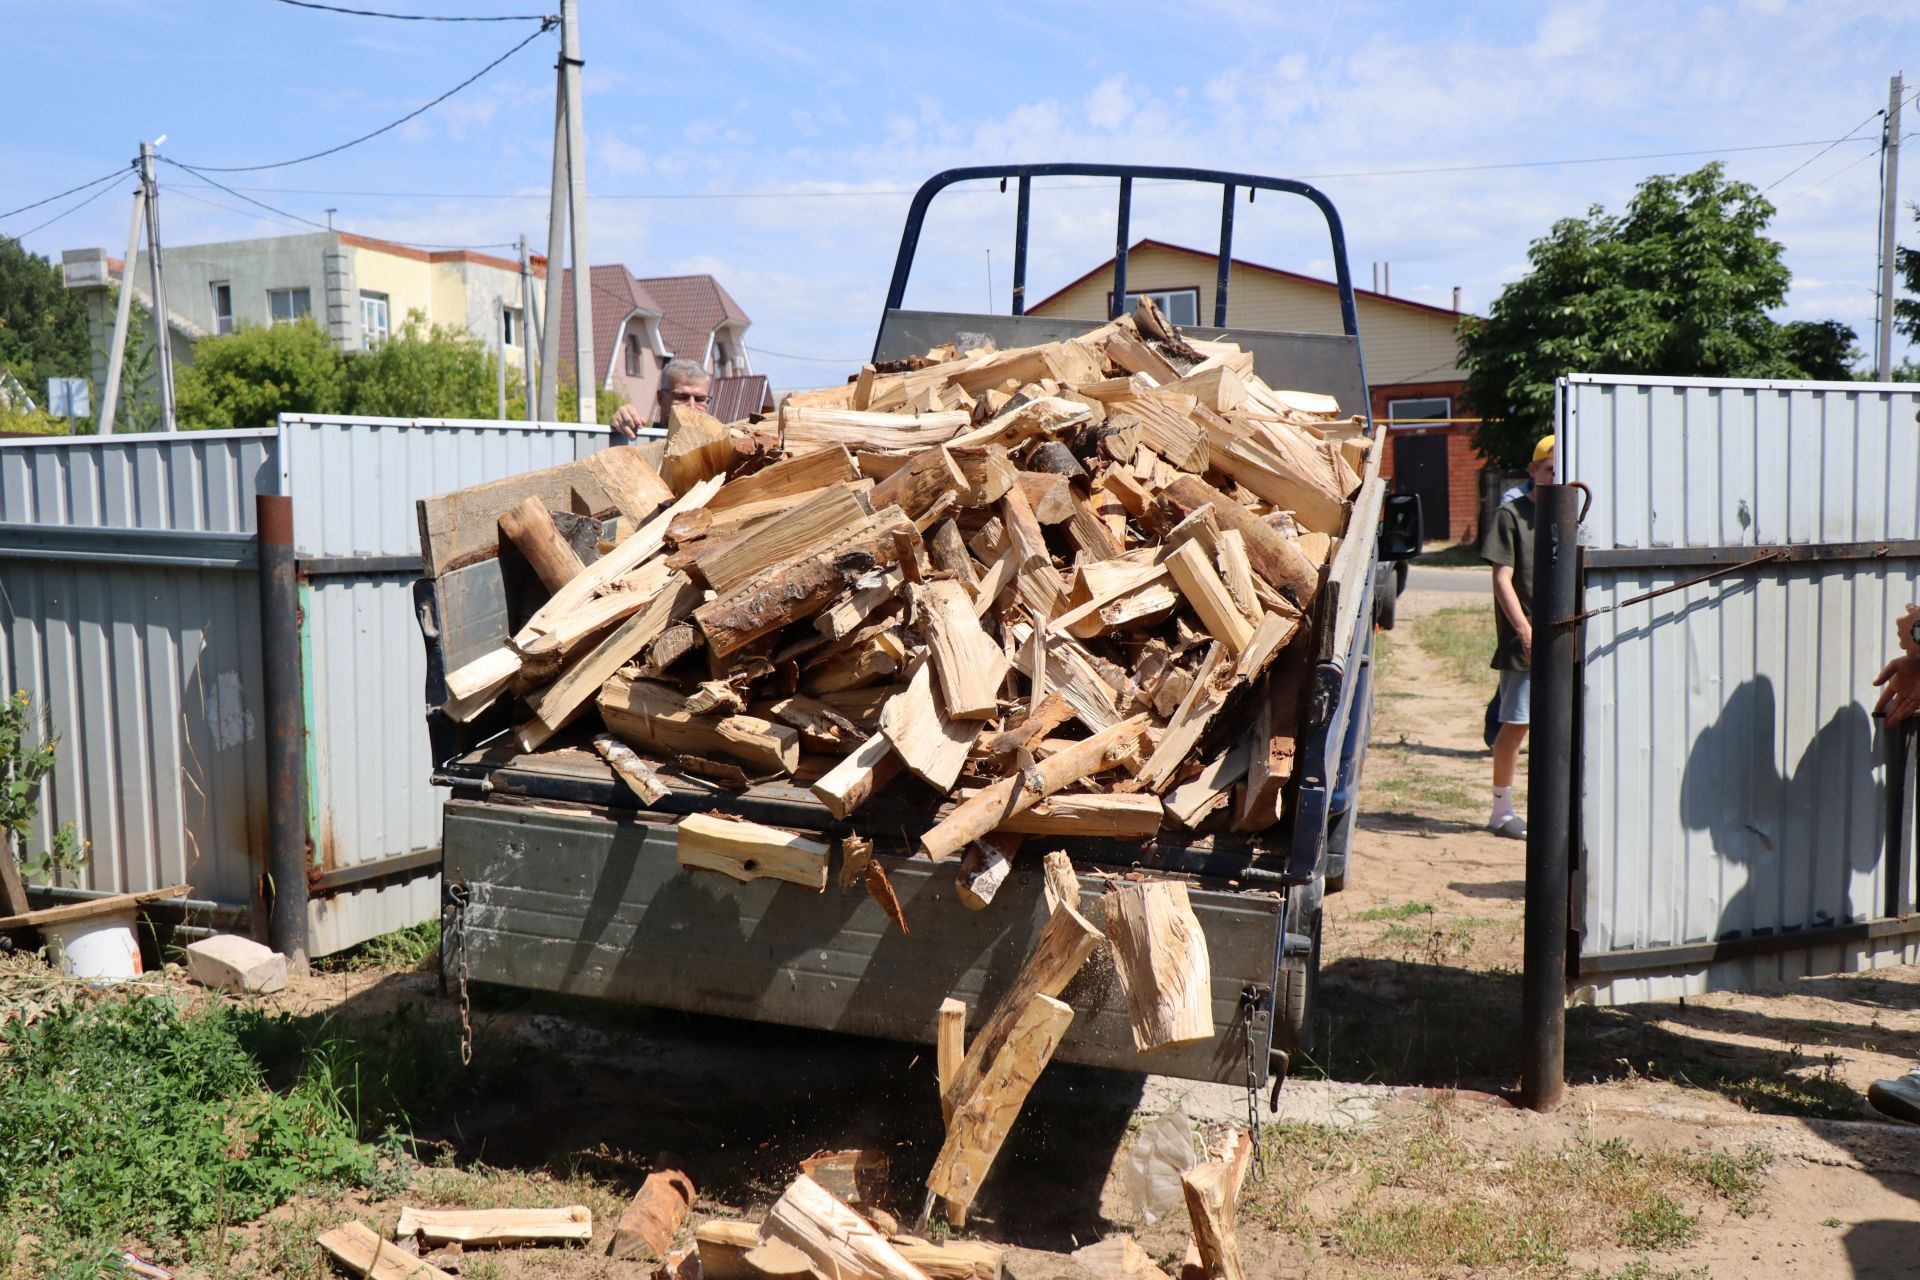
681 382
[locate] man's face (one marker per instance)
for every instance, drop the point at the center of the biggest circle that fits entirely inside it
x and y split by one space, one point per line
674 391
1542 471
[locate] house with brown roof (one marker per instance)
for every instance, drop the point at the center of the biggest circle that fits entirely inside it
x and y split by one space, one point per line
640 324
1412 353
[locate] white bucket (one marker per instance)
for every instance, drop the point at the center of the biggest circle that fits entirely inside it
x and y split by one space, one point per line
101 948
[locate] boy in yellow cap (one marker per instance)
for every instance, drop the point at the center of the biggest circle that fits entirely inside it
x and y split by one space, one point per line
1509 548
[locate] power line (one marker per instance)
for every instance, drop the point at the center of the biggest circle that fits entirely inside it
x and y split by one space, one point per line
415 17
1830 177
63 194
63 213
782 355
1850 137
319 226
545 25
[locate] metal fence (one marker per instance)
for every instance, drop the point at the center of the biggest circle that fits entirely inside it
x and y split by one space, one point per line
130 613
1732 824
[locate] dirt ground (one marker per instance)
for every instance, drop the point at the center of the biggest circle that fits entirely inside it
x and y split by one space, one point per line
1717 1136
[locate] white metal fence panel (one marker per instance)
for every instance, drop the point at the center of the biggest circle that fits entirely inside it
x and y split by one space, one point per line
1731 772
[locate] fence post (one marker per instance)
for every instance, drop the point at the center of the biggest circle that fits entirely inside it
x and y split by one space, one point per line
1550 796
288 859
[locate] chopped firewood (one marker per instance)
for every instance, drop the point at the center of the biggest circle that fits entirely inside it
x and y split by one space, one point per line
1119 1257
983 1119
354 1246
699 447
630 768
951 1259
1234 1148
750 851
1210 1197
948 552
852 782
1062 885
927 477
555 704
1273 557
496 1226
1160 955
854 853
858 1176
530 527
802 429
931 743
1208 595
653 714
1120 817
840 1241
985 869
778 487
880 889
986 810
778 1260
950 1047
829 515
970 667
1049 496
648 1223
1194 799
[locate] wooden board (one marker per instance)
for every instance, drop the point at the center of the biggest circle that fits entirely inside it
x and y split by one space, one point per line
750 851
497 1226
92 908
354 1246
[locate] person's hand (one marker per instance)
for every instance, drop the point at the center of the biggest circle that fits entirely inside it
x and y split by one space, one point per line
627 422
1900 700
1525 632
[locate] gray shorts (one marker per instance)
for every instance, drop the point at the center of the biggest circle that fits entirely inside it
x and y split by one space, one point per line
1516 696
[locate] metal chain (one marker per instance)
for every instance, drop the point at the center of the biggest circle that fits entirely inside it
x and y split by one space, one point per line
1249 1005
459 895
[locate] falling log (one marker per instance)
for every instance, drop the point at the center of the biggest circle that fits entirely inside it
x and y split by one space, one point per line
648 1224
530 527
750 851
987 809
1236 1151
1273 556
840 1241
698 448
852 782
1210 1206
986 867
950 1048
981 1122
1061 885
1160 955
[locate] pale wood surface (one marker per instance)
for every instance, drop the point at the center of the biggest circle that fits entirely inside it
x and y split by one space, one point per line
355 1246
1064 944
987 809
1210 1207
648 1224
1160 955
750 851
646 713
970 666
530 527
556 704
840 1241
932 745
982 1121
496 1226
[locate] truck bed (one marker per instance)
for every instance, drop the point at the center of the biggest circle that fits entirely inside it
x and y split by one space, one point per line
569 887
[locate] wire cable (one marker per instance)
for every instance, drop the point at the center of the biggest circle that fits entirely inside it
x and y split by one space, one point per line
320 226
546 25
782 355
58 216
62 195
415 17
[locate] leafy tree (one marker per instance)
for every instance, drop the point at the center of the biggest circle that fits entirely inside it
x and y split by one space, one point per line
425 371
247 377
1680 283
43 326
1906 311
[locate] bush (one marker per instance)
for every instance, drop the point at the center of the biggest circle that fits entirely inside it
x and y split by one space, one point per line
251 376
425 371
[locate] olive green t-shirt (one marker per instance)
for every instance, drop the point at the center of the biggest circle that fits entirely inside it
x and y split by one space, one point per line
1511 543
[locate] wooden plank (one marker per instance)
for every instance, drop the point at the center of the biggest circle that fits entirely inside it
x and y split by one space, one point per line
931 744
354 1246
969 665
462 527
554 705
802 429
982 1121
830 515
92 908
841 1242
775 488
750 851
1160 956
648 714
571 1224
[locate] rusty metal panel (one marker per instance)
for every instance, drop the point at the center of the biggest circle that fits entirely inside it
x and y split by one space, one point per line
1732 776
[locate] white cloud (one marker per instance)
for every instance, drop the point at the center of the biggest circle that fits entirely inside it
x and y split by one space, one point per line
611 152
1109 104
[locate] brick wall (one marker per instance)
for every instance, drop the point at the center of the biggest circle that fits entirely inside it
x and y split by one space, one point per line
1463 463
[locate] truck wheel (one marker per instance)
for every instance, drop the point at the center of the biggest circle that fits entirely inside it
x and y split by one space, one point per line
1298 996
1340 848
1386 602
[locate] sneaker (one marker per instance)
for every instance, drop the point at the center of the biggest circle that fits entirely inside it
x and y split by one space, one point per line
1514 827
1897 1098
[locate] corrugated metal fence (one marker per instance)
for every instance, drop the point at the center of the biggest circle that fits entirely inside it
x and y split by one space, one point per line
1731 812
130 613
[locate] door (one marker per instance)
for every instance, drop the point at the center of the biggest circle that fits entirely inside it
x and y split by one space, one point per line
1420 466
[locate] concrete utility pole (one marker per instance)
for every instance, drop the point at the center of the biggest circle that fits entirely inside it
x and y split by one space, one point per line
122 313
556 253
570 65
1889 242
526 330
163 348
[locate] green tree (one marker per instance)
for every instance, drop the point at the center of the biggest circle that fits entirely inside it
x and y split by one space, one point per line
1680 283
43 326
1906 265
247 377
425 372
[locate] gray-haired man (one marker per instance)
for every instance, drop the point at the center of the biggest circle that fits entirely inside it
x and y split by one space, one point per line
681 382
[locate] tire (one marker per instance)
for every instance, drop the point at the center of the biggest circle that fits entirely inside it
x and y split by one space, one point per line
1340 849
1400 574
1386 603
1298 996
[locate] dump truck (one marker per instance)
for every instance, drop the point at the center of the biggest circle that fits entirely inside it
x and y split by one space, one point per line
557 877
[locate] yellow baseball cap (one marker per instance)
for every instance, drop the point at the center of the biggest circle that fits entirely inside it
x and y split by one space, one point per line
1543 450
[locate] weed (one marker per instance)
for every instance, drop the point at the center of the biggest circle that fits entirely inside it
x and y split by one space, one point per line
1404 911
1642 1268
1735 1179
410 950
1830 1222
1659 1224
1461 640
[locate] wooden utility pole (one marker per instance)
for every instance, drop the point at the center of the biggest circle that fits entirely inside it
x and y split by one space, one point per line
1889 243
570 65
122 313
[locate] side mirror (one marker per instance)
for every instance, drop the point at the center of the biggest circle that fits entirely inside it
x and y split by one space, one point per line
1400 527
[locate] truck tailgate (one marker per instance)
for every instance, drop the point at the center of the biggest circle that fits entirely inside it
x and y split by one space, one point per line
587 905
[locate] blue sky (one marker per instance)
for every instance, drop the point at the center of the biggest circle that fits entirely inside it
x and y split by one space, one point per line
773 144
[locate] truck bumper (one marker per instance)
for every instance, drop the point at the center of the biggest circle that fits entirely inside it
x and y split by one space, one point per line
592 906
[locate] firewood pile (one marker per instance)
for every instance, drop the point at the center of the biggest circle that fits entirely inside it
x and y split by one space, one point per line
1069 587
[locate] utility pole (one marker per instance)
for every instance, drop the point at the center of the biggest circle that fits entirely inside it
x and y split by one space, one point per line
527 340
122 313
556 253
163 348
570 65
1889 208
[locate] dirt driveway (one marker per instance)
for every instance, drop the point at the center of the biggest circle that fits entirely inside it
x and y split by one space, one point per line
1722 1136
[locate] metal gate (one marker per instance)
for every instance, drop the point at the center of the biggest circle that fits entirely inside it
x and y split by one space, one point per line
1731 819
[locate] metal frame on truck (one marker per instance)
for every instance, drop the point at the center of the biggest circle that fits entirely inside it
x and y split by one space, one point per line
558 879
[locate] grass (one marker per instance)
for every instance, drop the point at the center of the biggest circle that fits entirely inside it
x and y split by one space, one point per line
414 949
1398 782
1460 639
1403 911
1460 555
1418 1195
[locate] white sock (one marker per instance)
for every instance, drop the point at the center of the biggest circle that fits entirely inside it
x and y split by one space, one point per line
1502 806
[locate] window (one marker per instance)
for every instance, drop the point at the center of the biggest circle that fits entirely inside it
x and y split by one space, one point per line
222 307
373 319
1426 408
633 356
284 306
511 331
1180 306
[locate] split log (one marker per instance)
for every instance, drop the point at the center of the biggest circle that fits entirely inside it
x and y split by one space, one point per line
749 851
858 1176
646 713
1061 884
497 1226
849 613
1119 1258
1160 955
1194 799
929 742
1272 556
1209 596
802 429
648 1223
556 704
354 1246
852 782
840 1241
530 527
1053 711
950 1049
1237 1154
778 1260
971 668
630 768
986 810
484 677
1271 748
927 477
981 1122
1210 1207
986 867
952 1259
828 516
723 1249
1050 496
